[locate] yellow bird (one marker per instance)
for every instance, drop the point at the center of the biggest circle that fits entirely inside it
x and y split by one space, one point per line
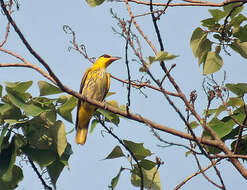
95 84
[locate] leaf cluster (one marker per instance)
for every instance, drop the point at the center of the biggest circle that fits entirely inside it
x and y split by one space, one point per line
30 128
149 169
232 33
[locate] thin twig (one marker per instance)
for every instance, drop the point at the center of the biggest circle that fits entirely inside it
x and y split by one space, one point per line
203 3
195 174
127 66
46 187
8 25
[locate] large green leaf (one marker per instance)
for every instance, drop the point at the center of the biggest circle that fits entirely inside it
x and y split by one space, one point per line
115 153
240 33
196 41
147 177
19 86
137 149
239 89
59 137
65 109
210 22
18 99
203 52
40 156
8 111
213 63
46 88
240 47
54 171
228 8
220 128
147 164
236 21
217 14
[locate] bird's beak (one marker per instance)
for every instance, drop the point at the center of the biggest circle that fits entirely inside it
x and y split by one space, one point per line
114 58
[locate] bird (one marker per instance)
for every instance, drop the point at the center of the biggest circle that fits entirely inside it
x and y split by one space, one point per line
95 84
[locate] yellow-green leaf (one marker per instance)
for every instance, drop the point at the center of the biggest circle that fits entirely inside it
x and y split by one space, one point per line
94 3
240 47
115 153
212 64
46 88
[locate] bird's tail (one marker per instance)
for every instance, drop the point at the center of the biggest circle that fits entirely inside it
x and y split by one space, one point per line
81 135
84 117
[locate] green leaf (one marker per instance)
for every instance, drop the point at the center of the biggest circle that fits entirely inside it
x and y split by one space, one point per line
111 117
114 180
235 101
217 14
59 137
17 176
1 90
54 171
220 109
163 55
242 148
65 109
240 47
9 157
210 22
196 41
94 3
4 130
148 178
240 33
94 122
228 8
236 21
19 86
170 57
62 99
46 88
115 153
239 89
210 112
212 64
137 149
203 52
110 94
41 156
147 164
8 111
66 155
18 100
222 127
193 124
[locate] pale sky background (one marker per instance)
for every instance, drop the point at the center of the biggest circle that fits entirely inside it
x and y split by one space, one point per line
42 24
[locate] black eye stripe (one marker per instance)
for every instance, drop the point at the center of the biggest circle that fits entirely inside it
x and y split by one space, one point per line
106 56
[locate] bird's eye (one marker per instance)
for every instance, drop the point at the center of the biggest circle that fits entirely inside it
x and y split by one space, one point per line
106 56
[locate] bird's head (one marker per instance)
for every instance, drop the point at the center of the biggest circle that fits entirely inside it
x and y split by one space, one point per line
104 61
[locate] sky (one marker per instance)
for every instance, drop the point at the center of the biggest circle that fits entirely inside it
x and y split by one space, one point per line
42 24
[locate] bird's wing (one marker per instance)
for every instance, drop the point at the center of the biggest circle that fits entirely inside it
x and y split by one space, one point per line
79 101
108 84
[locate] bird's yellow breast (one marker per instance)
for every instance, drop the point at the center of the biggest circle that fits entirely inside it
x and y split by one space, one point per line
96 85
